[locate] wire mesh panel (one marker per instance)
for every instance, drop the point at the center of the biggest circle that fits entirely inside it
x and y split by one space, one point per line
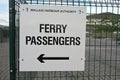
4 54
102 41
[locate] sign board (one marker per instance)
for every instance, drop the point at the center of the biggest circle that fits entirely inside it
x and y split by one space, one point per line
52 38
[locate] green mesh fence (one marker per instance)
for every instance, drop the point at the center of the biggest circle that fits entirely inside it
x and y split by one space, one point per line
102 42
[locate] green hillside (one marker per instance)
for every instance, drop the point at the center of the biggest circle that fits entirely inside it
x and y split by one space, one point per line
111 17
114 18
106 15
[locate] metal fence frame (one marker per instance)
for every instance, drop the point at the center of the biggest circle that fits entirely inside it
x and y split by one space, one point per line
88 74
12 39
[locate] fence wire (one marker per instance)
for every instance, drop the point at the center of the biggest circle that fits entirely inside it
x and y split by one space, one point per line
102 41
4 54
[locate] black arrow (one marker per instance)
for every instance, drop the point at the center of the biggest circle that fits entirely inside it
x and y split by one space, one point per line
41 58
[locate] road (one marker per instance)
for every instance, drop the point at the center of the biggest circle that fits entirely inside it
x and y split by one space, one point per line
4 60
103 58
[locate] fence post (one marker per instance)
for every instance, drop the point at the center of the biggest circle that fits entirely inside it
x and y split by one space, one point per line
12 39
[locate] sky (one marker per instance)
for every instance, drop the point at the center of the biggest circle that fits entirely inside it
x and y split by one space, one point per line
4 12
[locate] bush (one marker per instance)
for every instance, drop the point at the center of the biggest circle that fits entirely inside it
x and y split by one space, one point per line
103 28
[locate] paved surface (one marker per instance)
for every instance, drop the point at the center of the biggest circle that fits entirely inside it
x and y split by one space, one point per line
103 58
4 60
102 63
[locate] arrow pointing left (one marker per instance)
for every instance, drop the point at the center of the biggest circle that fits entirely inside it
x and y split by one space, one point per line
41 58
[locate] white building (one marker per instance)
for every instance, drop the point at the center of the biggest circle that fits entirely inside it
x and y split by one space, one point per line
98 22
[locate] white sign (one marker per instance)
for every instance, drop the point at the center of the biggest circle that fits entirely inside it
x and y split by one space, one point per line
52 38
